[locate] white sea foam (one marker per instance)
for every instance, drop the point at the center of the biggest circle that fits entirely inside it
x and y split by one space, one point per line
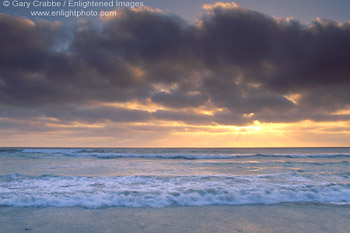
96 177
137 191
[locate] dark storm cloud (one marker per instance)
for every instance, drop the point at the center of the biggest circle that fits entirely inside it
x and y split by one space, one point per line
100 113
72 113
235 59
178 99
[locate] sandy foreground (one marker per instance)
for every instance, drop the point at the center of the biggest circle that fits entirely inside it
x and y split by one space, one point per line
214 219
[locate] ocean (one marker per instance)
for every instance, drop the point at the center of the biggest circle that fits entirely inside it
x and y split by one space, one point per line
172 177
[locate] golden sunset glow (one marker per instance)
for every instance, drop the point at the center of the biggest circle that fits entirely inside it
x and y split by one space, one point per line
177 134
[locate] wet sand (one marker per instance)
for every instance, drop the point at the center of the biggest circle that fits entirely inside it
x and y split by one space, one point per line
246 218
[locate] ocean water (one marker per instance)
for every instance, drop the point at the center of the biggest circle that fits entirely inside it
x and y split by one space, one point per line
105 177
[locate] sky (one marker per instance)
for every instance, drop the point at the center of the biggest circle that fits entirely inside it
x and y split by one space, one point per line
250 73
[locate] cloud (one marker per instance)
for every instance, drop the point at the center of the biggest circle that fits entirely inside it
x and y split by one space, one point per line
177 99
225 5
190 118
237 60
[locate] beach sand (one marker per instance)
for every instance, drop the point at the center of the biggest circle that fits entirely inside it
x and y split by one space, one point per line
246 218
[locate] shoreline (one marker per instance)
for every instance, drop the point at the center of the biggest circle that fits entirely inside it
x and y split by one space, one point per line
241 218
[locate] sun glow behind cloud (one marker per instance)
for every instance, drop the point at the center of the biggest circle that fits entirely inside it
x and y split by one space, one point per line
162 133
